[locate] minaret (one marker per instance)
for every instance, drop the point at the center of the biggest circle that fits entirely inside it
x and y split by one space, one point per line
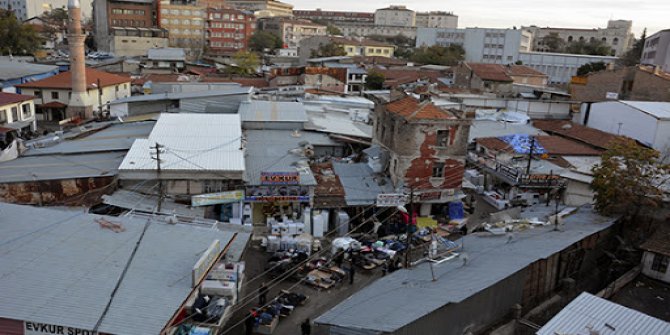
80 103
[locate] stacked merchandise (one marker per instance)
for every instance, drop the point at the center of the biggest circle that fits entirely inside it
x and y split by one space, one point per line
267 317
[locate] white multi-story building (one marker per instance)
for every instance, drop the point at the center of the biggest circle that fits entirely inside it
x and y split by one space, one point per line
26 9
657 50
618 35
398 16
482 45
436 20
560 67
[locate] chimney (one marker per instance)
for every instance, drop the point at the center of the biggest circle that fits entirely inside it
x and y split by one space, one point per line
79 105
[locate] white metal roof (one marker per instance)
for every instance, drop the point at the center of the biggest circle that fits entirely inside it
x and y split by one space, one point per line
657 109
192 142
60 267
588 314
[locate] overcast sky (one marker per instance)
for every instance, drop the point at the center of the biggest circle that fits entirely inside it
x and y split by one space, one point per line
652 14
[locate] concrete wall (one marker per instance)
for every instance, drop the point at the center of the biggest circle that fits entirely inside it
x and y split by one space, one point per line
649 87
399 17
598 84
132 46
559 67
577 193
657 50
109 93
647 261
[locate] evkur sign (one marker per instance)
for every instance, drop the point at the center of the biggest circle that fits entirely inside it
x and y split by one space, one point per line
37 328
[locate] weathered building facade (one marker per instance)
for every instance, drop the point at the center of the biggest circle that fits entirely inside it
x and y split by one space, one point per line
427 148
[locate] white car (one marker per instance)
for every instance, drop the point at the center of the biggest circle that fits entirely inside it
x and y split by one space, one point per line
496 200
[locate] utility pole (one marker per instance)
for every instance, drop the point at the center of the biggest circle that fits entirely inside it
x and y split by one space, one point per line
549 186
158 148
99 99
410 231
530 154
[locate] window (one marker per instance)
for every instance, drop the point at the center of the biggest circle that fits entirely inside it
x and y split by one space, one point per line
660 263
615 41
117 11
442 138
54 95
117 88
164 11
15 114
26 112
38 94
438 170
3 116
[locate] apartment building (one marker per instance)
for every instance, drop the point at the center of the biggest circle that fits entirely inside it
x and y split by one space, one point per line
436 20
657 50
228 30
291 31
185 24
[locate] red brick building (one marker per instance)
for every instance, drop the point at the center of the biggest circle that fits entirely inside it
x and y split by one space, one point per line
228 30
427 146
137 14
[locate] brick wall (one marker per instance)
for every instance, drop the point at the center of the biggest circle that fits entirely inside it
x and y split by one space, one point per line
649 87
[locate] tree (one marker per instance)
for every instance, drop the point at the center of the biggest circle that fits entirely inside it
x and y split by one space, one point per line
245 63
328 50
375 80
591 67
553 42
332 30
439 55
593 47
628 178
632 56
17 38
261 41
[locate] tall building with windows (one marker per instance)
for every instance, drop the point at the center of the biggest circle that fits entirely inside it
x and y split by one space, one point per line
228 30
117 20
185 23
617 35
291 31
656 50
436 20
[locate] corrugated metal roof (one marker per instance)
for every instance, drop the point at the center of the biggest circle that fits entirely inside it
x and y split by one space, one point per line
269 150
233 90
54 167
269 111
193 142
12 70
492 259
148 203
61 268
177 54
588 314
659 110
117 137
361 186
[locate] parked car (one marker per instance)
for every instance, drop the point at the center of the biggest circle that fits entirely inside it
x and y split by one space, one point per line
496 200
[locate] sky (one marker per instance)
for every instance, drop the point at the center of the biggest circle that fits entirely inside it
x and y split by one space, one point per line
652 14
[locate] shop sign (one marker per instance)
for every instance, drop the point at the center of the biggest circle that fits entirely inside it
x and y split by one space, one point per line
217 198
391 199
205 262
280 178
37 328
510 172
277 193
430 196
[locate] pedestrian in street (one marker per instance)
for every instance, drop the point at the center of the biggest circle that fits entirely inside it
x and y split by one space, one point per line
249 323
262 294
306 328
385 268
339 258
352 271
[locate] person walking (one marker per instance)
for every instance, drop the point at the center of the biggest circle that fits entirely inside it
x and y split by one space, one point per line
305 327
352 272
262 294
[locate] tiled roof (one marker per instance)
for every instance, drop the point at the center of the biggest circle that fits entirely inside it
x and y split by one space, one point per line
658 242
556 145
490 72
396 77
494 143
64 80
11 98
53 104
364 42
553 145
590 136
522 70
411 108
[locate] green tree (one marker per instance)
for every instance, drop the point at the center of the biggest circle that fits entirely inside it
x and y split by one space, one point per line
328 50
375 80
591 67
262 41
17 38
553 42
245 63
439 55
332 30
632 56
628 179
593 47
